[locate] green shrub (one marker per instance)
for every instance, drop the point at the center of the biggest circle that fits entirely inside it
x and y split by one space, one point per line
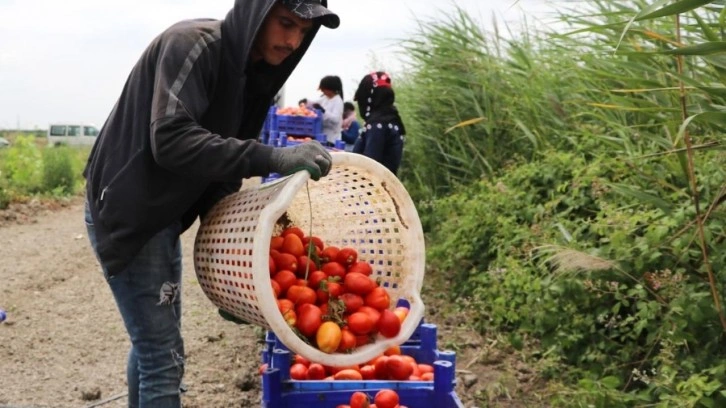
22 165
59 175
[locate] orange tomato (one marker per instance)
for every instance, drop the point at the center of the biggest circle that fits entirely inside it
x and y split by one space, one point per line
328 337
348 374
401 312
393 351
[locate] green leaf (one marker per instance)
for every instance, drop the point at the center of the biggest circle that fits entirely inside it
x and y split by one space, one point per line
670 10
641 196
610 382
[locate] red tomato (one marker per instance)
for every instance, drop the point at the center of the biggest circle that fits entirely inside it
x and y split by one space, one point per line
315 240
358 283
362 340
329 253
427 377
298 371
360 323
276 243
374 314
302 262
262 369
347 340
273 268
293 230
285 279
309 319
297 358
328 337
334 269
359 400
299 295
327 290
388 325
378 299
275 288
381 367
398 368
316 372
386 399
315 278
352 302
347 256
285 261
292 244
361 267
368 372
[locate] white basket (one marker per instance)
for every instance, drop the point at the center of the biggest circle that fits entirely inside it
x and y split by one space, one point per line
360 204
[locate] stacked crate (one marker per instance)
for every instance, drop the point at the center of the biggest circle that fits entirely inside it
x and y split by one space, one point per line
278 128
279 391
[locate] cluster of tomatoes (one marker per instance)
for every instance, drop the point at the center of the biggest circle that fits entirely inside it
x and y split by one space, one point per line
297 111
391 365
327 295
384 398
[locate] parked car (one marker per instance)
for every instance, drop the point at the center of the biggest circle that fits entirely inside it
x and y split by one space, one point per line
4 142
71 134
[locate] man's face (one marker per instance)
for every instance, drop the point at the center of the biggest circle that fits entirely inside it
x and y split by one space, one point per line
281 34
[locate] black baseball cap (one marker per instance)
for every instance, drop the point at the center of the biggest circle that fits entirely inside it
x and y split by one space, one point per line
313 9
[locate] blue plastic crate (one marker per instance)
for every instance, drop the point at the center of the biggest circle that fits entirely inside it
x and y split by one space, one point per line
294 125
279 391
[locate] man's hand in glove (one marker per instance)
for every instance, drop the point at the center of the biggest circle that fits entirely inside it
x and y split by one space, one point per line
310 156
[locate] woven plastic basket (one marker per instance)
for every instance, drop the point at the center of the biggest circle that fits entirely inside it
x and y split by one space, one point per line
360 204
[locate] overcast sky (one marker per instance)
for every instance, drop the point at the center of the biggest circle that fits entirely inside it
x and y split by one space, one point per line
67 60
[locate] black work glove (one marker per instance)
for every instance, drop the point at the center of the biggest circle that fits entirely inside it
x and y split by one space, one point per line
319 107
310 156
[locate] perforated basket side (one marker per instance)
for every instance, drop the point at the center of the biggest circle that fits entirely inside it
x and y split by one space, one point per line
224 252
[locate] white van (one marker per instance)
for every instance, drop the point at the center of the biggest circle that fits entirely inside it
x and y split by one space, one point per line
72 134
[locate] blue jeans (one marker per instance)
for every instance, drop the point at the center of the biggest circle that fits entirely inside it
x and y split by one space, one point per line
148 295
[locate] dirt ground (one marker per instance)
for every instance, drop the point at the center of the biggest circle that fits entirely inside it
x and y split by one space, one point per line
63 343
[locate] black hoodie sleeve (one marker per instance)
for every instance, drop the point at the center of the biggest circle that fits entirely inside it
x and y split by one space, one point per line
184 80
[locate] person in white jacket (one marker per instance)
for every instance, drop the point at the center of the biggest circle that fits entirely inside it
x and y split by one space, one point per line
331 103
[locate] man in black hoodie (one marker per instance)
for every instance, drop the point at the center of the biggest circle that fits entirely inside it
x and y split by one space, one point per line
182 136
